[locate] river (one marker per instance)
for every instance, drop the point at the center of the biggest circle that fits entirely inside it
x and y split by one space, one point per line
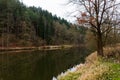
39 65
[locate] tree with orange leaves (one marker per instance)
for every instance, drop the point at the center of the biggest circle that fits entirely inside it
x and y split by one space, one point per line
95 13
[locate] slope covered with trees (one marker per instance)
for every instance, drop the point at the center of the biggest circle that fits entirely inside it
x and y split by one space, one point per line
30 26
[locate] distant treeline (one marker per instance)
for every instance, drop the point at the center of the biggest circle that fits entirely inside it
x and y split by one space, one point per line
31 26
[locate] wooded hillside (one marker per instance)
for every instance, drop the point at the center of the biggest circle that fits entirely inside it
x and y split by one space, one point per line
30 26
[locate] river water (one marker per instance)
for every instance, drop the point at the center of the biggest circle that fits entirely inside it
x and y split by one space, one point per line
39 65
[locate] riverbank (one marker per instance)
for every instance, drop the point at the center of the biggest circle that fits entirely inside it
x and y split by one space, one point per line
96 68
49 47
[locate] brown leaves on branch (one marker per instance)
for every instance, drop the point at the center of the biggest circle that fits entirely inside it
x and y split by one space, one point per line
85 19
81 21
83 14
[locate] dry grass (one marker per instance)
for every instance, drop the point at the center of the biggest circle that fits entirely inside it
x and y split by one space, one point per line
97 68
92 68
93 72
113 52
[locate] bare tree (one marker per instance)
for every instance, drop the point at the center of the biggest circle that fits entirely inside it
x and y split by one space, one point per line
101 15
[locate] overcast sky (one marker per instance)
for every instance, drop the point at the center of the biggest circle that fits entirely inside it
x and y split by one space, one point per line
57 7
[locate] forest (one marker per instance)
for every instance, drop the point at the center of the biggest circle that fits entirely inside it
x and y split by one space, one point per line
21 25
29 37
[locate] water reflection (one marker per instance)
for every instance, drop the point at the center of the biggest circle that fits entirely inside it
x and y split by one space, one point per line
39 65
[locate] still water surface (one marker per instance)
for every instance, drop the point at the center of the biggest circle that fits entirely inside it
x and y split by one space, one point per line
39 65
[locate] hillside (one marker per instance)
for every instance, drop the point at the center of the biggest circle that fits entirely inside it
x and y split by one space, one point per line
31 26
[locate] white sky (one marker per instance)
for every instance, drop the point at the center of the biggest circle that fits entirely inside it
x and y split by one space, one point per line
57 7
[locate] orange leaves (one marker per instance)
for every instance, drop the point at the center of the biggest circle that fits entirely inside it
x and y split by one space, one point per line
91 19
86 20
83 14
81 21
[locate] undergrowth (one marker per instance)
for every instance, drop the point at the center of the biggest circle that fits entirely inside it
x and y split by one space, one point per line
113 73
97 68
70 76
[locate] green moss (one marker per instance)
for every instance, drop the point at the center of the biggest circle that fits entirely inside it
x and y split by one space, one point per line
70 76
112 74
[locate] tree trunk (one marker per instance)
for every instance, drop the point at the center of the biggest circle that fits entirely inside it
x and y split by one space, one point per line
99 44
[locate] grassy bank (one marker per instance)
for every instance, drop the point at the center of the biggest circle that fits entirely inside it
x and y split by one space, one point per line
97 68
